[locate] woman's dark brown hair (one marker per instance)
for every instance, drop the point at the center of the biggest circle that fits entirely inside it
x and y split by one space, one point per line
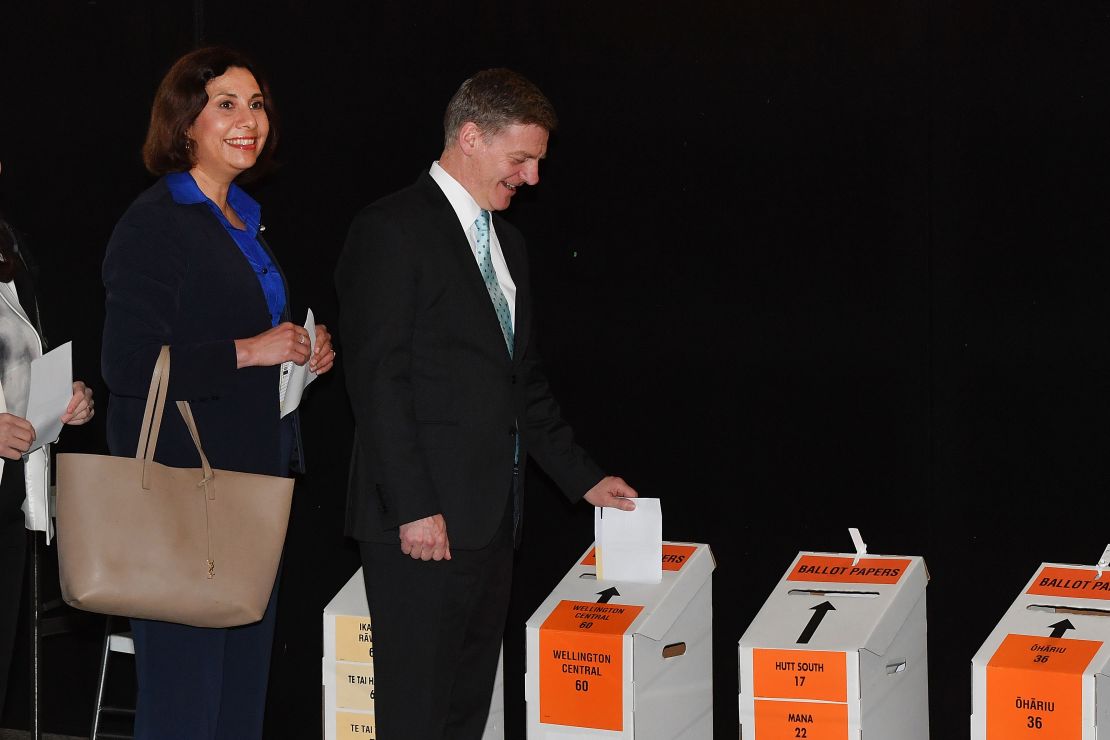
8 263
180 99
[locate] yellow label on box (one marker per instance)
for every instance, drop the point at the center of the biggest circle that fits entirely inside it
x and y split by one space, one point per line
789 720
354 686
1035 688
354 640
351 726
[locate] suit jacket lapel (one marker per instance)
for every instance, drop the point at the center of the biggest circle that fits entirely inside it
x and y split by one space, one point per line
448 224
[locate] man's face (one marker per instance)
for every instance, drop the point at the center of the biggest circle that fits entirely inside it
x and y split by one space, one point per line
504 162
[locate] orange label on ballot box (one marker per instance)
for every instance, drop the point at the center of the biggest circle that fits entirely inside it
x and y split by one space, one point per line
800 674
828 569
789 720
354 640
581 664
351 726
1074 583
1035 688
674 556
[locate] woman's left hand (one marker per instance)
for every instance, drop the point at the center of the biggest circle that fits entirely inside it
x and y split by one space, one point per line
323 356
80 408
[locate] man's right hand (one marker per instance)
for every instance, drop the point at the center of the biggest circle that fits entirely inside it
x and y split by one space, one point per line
16 436
426 539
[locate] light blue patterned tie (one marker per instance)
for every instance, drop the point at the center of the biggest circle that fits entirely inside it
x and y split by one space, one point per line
485 263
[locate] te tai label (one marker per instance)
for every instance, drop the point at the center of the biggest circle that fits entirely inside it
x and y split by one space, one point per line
828 569
354 640
1035 688
354 686
800 674
1074 583
351 726
581 664
674 556
791 720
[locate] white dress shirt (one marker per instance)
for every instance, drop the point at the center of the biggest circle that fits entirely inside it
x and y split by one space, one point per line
467 210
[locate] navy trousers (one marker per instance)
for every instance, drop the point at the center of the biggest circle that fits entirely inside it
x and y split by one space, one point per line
198 683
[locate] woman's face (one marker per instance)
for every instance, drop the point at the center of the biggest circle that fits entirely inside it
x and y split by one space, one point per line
230 132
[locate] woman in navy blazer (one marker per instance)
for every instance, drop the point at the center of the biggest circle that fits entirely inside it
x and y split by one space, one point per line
186 266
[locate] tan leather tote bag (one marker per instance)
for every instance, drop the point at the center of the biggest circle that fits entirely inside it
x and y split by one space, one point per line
196 546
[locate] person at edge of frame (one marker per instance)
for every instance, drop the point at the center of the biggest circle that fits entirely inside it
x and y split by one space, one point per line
23 477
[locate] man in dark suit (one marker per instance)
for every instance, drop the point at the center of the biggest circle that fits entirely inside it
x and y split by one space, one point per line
449 400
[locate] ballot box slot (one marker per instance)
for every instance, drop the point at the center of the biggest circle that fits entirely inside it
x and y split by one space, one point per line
674 650
589 576
823 592
1063 609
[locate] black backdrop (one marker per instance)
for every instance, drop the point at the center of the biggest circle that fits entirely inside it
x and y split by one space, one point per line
799 266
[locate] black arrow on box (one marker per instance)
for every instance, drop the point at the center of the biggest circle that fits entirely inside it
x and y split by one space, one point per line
607 594
1061 627
819 613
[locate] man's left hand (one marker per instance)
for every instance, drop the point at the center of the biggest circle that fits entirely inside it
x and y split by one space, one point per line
612 491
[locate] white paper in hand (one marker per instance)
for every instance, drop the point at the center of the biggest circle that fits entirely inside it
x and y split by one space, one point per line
295 378
630 543
51 389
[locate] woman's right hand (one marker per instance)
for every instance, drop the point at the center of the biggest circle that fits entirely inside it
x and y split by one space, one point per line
283 343
16 436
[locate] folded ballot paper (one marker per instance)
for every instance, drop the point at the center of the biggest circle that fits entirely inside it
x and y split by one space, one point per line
630 543
50 393
295 378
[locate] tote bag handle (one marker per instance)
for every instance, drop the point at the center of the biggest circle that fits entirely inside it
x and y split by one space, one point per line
152 424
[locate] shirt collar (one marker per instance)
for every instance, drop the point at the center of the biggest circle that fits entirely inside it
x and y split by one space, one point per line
466 208
184 190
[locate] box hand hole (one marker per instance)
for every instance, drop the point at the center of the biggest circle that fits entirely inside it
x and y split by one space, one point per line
674 650
895 668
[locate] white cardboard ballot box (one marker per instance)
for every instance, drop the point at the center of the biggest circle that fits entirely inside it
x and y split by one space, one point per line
608 659
349 670
838 652
1044 672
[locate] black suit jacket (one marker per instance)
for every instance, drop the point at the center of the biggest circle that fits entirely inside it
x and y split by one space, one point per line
436 398
173 275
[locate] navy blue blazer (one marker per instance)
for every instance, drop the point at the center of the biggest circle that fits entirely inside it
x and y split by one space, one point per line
173 275
436 398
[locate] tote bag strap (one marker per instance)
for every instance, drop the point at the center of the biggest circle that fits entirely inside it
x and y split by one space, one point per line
207 481
152 424
152 415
